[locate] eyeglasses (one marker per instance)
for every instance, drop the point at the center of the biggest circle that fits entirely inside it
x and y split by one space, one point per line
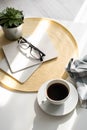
34 51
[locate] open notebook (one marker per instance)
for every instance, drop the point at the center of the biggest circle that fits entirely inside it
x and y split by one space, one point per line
17 61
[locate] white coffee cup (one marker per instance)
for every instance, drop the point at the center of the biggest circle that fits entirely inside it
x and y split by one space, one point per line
57 91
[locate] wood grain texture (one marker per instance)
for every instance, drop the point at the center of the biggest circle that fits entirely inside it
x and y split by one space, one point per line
63 41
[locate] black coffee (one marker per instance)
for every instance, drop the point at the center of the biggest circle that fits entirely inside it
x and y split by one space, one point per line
57 91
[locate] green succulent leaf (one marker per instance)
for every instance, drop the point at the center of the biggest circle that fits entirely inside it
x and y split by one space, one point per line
11 17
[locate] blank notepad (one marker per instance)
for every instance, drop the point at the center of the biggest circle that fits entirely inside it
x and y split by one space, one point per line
17 61
20 76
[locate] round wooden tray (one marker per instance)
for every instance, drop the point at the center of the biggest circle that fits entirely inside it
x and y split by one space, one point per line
63 41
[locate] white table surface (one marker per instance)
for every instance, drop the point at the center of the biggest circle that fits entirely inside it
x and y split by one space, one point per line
20 111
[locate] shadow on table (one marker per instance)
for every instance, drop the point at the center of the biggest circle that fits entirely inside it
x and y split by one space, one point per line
44 121
81 120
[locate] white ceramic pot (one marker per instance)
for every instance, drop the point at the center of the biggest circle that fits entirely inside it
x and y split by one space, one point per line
13 33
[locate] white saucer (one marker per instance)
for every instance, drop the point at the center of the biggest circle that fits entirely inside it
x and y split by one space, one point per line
57 110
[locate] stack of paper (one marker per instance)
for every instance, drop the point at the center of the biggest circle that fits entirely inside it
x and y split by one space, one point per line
18 65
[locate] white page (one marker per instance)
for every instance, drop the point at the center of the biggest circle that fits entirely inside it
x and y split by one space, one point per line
17 61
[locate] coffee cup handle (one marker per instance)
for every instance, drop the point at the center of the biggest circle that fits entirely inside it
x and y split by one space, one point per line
44 101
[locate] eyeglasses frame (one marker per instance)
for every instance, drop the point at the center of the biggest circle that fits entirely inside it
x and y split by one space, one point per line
41 54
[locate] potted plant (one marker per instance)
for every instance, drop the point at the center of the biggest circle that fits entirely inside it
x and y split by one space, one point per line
11 21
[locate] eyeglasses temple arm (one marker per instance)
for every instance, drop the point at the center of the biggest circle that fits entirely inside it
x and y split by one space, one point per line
33 46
